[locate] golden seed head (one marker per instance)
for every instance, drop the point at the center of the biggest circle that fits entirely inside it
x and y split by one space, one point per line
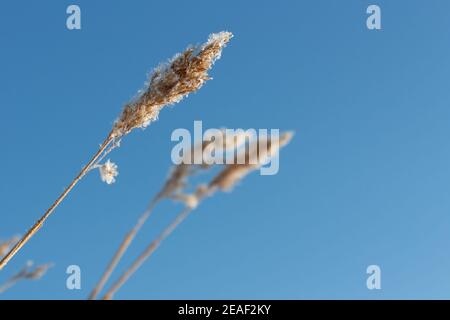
170 82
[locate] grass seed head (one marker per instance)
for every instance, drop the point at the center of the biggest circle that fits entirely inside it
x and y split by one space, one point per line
170 82
233 173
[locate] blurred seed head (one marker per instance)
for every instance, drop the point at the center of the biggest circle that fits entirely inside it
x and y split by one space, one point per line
38 272
233 173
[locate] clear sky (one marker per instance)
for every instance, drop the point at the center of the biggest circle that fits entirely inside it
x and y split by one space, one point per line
365 180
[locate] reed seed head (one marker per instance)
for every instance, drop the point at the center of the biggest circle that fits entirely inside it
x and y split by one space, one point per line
227 142
176 180
38 272
233 173
190 200
170 82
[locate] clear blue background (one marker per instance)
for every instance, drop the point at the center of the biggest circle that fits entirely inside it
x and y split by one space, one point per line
365 180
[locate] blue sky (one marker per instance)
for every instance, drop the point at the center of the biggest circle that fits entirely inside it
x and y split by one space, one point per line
365 180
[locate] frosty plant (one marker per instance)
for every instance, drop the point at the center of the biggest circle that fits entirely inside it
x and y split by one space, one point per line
168 84
177 188
216 139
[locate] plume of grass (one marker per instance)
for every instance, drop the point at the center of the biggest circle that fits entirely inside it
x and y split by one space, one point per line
169 83
224 181
26 273
235 172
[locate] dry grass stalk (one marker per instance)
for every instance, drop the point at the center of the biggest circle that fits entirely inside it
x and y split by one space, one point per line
172 186
26 273
224 181
145 254
122 249
169 83
175 182
35 228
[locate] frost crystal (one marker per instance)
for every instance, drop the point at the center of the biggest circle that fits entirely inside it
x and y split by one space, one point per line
108 172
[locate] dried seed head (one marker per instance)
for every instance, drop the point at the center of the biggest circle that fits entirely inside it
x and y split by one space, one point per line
176 181
38 272
233 173
108 172
190 200
238 140
227 141
170 82
179 175
202 191
6 246
27 272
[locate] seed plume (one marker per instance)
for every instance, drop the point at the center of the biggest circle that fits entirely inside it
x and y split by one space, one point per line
170 82
233 173
26 273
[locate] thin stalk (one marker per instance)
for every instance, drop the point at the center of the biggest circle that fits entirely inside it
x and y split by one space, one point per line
32 231
151 248
8 284
122 249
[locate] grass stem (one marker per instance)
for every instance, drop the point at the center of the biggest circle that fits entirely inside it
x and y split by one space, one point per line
35 228
151 248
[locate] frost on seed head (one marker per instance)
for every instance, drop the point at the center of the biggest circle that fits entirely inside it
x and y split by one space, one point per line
170 82
108 172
